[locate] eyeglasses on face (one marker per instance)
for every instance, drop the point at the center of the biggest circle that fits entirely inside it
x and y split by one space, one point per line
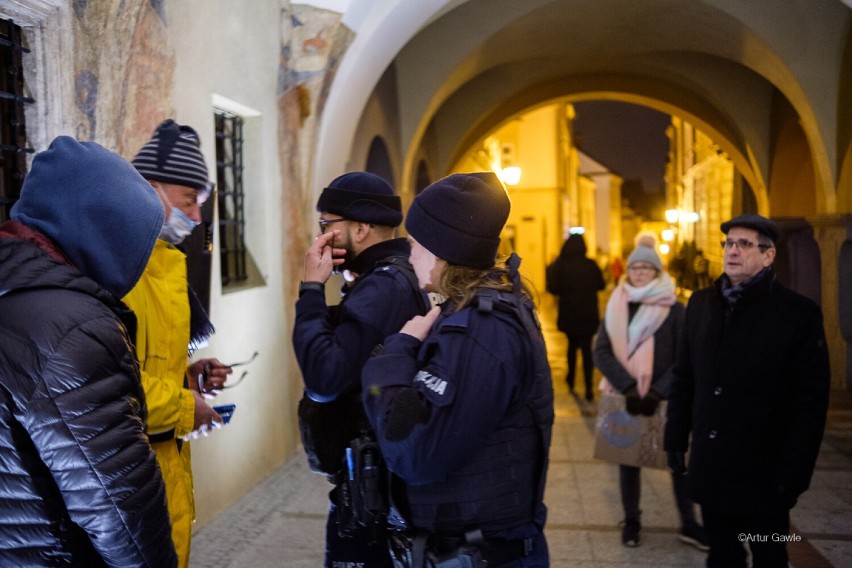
743 245
323 223
205 192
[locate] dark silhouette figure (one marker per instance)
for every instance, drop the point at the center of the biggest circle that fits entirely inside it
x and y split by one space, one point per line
577 280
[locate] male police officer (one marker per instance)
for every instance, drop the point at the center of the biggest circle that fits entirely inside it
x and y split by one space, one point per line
358 214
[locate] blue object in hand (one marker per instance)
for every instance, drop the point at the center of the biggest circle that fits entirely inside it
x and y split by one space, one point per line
225 411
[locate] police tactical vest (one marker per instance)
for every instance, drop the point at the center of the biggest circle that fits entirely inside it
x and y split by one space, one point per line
503 485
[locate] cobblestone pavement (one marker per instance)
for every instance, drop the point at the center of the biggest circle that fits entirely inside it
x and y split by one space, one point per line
280 523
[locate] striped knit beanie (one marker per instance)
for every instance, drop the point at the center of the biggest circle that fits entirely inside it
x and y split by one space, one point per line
173 155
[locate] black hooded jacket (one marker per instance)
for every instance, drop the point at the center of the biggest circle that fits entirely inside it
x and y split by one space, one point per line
74 458
576 280
79 483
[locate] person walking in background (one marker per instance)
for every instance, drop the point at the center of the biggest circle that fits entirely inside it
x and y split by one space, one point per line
358 216
462 398
172 322
81 486
576 280
701 267
635 351
750 388
616 269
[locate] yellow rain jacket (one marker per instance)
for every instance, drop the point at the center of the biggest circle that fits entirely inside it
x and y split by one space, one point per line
162 311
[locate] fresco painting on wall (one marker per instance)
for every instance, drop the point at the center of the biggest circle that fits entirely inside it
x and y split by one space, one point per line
123 72
312 43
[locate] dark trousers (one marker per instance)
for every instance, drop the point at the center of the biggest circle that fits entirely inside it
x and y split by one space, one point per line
631 490
759 529
583 343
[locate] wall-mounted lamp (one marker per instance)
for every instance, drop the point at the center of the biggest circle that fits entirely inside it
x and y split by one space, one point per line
665 249
510 175
668 235
672 215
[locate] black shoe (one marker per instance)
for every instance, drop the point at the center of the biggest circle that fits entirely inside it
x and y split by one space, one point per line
630 534
696 537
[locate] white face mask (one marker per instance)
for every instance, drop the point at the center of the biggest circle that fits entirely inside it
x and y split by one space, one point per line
178 225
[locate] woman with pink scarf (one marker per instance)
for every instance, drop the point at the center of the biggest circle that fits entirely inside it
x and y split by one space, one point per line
635 351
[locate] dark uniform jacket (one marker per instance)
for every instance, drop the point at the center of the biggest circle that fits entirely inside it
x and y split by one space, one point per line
80 484
474 457
751 385
331 347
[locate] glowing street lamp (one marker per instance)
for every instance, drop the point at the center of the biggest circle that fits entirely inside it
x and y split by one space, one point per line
511 175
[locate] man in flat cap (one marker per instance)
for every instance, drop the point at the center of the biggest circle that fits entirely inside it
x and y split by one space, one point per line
358 214
751 386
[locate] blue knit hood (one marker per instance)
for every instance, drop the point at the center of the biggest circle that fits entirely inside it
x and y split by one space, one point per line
96 207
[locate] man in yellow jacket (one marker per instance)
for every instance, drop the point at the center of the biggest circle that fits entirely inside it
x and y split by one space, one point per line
163 302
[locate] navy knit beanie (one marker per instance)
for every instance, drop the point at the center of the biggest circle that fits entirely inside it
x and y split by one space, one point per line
459 218
173 155
363 197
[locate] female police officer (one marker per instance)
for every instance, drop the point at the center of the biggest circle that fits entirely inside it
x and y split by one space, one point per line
461 399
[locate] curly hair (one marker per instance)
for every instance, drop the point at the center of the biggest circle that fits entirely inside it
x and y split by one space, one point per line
460 283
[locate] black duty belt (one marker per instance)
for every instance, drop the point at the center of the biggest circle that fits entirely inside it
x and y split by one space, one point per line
494 551
162 436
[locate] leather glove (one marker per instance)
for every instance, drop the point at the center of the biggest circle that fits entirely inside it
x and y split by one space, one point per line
632 401
648 405
677 462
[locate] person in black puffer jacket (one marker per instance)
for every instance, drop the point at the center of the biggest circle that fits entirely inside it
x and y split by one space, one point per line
81 486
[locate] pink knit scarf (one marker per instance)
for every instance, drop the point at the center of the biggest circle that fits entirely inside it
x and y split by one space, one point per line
633 342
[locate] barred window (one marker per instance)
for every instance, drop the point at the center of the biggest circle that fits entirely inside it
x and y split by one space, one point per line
237 268
13 132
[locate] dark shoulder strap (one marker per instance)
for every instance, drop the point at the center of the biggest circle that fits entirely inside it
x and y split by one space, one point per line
523 311
407 270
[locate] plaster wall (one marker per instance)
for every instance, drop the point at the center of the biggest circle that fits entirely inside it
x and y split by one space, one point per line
213 57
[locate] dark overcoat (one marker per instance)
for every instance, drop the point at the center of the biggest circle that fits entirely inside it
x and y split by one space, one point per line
751 386
576 279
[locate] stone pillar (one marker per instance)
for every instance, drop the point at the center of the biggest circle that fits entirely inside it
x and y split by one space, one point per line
833 233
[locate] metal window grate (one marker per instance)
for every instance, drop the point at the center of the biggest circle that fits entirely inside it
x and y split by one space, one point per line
13 132
229 180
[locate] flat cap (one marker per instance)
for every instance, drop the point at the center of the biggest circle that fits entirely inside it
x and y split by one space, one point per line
759 223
